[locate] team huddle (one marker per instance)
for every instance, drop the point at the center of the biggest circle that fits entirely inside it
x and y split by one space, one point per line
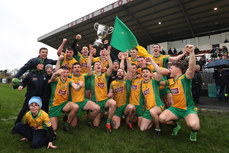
134 88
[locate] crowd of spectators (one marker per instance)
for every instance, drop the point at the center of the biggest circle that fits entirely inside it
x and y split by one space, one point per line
215 53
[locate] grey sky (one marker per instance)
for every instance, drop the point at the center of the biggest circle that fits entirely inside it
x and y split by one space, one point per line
23 21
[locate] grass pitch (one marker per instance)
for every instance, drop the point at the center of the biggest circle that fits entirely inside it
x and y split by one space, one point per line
213 135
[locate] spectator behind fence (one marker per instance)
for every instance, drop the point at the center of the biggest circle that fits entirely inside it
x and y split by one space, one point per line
220 81
174 51
180 52
202 62
225 50
196 50
197 83
162 52
170 52
227 85
214 53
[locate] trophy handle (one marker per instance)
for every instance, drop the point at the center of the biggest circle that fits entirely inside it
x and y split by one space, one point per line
96 25
110 30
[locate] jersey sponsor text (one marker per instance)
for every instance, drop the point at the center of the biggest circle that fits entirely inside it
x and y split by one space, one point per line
175 91
146 92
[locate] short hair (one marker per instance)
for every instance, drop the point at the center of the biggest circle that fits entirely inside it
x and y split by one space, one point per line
146 68
47 66
198 65
65 67
84 46
96 62
42 48
157 44
69 48
76 63
134 48
179 65
102 49
121 69
141 57
116 61
134 65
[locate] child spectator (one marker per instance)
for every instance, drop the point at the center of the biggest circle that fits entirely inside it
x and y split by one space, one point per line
37 126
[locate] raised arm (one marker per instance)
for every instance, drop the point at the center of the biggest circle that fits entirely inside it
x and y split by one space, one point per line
89 68
177 58
122 65
129 66
192 62
58 63
106 44
78 37
164 71
110 69
156 67
55 75
61 47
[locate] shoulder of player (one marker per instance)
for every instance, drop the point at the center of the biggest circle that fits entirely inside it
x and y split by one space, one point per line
28 114
113 82
94 59
184 77
44 114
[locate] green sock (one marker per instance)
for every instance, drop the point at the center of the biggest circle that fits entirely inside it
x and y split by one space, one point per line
108 120
130 122
176 129
158 129
67 124
193 136
175 125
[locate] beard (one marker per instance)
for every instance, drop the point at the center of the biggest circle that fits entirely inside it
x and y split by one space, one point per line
120 77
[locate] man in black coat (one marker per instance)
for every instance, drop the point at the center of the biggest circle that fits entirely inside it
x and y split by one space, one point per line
220 81
197 83
35 82
202 62
32 63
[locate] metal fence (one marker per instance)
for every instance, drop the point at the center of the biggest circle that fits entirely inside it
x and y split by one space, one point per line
207 78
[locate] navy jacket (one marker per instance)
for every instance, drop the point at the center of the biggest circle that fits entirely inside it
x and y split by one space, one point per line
31 64
35 82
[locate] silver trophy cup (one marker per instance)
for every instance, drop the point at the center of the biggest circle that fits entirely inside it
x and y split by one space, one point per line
102 32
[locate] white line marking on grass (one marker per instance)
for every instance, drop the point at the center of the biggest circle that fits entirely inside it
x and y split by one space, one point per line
7 119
